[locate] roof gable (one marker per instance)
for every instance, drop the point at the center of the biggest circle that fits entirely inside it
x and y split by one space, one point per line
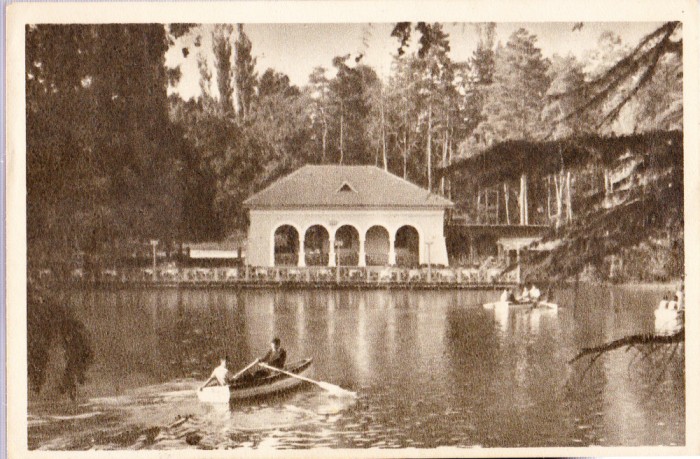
319 186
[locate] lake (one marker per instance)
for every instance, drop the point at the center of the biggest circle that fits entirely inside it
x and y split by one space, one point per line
430 368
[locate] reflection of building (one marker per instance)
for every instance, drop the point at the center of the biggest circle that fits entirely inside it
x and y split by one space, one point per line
347 215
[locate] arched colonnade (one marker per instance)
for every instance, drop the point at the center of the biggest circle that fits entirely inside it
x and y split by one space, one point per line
345 244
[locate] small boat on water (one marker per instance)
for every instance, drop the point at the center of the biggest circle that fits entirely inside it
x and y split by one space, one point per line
522 304
258 387
669 317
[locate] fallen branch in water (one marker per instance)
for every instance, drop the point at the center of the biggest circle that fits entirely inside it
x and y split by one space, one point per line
629 342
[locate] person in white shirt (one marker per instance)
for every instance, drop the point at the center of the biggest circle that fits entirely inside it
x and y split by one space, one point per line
525 296
504 296
535 293
218 375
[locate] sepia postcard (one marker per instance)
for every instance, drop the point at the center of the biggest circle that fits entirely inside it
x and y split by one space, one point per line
352 229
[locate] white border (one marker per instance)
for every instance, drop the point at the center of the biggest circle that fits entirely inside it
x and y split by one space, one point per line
20 14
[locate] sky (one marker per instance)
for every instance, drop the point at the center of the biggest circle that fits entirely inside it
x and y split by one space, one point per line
295 49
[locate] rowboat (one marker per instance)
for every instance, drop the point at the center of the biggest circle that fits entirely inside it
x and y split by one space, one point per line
522 304
668 320
258 387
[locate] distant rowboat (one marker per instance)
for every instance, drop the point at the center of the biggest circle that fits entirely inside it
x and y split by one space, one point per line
257 387
523 304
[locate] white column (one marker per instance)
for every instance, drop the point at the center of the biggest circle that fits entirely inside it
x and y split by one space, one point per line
362 261
392 251
302 255
331 251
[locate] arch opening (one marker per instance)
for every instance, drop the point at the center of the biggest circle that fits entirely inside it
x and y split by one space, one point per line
286 246
407 246
316 246
377 246
347 240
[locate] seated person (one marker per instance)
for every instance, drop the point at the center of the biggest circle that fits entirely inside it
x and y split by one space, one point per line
679 299
219 375
525 296
504 296
275 357
535 293
511 296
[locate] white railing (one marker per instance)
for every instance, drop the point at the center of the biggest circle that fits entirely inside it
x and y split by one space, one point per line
291 274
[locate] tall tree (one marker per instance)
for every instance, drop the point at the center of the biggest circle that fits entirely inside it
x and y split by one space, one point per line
514 105
98 134
246 76
350 106
221 47
319 90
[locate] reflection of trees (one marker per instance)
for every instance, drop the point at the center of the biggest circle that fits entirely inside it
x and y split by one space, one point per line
49 321
199 330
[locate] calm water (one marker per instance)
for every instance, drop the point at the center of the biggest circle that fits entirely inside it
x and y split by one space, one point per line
430 369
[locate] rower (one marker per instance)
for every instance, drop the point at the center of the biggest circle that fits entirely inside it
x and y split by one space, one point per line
276 356
535 293
218 375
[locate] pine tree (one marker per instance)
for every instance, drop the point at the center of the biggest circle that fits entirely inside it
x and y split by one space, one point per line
514 105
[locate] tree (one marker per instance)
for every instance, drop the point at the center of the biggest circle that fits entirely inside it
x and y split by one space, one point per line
318 91
221 47
612 89
349 105
514 105
246 77
97 134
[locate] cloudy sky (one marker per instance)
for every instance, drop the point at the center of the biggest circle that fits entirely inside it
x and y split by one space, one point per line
295 49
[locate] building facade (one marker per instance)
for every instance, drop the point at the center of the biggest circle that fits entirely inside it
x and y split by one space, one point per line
345 216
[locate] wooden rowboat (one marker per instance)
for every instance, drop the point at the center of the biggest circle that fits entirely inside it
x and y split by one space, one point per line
258 387
523 304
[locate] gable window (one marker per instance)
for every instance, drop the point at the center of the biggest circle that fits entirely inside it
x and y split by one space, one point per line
346 187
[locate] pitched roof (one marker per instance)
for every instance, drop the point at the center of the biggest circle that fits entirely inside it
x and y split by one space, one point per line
344 186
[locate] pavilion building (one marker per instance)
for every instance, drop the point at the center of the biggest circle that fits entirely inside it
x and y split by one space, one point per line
324 215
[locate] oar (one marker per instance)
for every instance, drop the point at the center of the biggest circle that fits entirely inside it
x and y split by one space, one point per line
332 388
237 375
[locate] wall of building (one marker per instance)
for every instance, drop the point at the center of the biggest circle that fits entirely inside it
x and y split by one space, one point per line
263 223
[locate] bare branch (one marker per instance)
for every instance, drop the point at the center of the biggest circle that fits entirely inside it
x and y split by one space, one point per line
632 340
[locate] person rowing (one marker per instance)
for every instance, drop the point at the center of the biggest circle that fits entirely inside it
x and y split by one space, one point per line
535 293
219 375
275 357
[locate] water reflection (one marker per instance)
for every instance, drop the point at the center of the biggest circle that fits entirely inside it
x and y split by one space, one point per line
431 369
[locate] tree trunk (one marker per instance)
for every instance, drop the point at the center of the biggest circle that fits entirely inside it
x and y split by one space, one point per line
558 191
569 212
505 198
324 137
478 205
386 167
341 137
549 198
523 200
429 148
444 164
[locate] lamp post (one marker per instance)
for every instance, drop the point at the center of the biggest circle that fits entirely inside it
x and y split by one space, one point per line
154 243
428 243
